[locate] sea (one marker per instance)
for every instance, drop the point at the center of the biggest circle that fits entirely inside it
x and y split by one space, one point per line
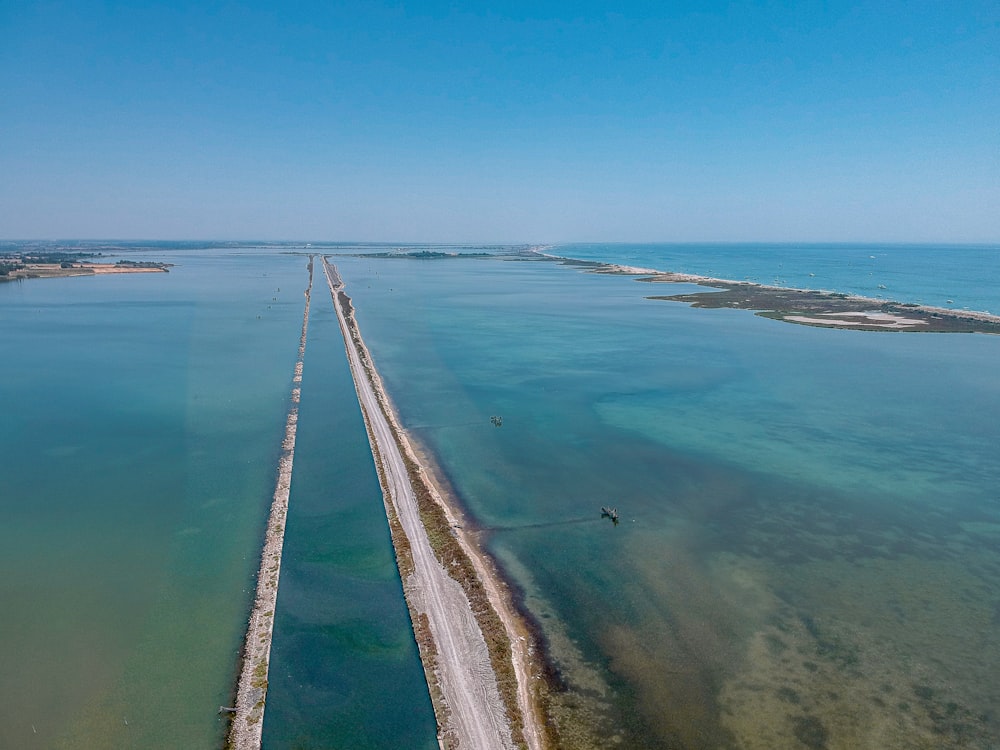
807 551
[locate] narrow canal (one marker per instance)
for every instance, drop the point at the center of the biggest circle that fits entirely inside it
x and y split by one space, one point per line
344 668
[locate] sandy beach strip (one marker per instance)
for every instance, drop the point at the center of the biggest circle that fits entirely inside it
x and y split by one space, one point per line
248 718
102 268
462 669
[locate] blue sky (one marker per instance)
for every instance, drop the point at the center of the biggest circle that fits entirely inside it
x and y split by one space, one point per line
520 121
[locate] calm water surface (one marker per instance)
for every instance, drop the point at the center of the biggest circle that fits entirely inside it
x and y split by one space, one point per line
142 426
808 547
143 420
808 552
344 668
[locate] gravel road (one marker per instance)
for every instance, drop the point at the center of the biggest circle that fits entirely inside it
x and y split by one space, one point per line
475 713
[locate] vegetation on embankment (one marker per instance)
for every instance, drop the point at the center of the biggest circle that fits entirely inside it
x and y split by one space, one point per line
456 561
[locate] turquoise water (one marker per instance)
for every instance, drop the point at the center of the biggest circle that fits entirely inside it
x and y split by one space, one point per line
143 419
808 547
808 552
955 276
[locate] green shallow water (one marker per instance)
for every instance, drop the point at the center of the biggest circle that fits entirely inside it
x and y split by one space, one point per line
808 549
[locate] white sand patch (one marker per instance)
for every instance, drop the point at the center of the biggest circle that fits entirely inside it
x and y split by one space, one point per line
888 317
874 320
627 270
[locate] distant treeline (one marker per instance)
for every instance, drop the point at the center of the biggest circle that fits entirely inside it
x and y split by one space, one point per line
19 260
142 264
16 261
6 266
56 256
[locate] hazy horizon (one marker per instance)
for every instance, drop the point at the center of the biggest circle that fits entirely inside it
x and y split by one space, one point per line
491 242
678 122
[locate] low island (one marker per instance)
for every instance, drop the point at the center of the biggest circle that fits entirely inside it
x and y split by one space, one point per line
810 307
21 265
824 309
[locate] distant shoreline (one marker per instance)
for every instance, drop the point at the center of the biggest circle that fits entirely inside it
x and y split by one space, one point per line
80 268
811 307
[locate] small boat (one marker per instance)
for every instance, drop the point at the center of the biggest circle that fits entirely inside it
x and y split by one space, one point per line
608 512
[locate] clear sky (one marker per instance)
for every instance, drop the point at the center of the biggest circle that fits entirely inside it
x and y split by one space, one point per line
505 121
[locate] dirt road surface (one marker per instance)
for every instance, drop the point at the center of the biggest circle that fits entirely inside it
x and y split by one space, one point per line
475 716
